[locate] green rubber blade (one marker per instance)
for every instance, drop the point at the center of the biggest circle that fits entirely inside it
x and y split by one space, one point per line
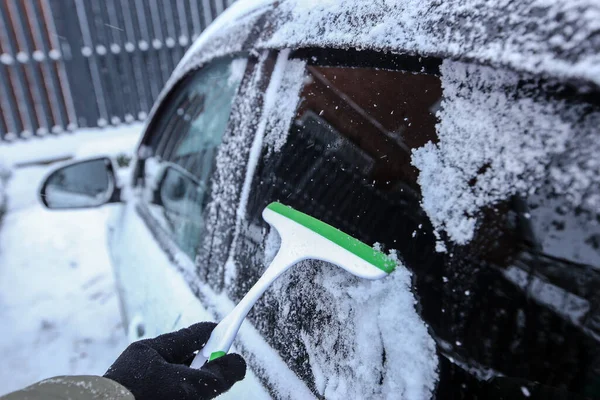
355 246
216 354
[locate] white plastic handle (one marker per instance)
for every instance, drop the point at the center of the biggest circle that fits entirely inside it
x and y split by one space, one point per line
297 243
222 336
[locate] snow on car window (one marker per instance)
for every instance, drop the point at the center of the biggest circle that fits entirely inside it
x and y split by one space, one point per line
350 158
230 172
341 161
499 138
372 321
281 106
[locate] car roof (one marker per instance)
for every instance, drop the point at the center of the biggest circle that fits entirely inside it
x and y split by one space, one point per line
553 39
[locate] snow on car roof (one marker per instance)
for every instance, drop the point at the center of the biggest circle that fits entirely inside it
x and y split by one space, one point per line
555 38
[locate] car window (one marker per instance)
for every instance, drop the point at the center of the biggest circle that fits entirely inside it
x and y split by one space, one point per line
494 306
186 139
346 161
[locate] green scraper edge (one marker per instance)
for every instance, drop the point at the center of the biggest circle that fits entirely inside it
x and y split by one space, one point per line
355 246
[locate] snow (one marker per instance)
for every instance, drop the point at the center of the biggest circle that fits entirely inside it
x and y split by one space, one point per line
54 54
539 36
231 158
82 143
22 57
280 105
101 50
272 95
365 319
498 139
6 59
59 305
237 69
253 157
283 91
241 14
38 56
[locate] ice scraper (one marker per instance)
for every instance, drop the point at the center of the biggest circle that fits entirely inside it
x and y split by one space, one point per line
302 237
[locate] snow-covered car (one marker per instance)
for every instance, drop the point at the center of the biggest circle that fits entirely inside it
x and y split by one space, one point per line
463 138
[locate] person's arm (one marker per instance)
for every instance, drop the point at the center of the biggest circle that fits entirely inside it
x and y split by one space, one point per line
151 369
72 387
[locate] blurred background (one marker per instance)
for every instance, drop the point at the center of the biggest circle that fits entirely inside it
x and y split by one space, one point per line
77 79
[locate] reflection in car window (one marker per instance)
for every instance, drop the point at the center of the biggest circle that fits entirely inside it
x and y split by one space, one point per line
190 133
502 305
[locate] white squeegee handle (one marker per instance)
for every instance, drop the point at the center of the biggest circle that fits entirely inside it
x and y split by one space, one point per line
225 332
302 237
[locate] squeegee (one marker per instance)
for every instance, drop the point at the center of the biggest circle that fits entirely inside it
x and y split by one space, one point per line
302 237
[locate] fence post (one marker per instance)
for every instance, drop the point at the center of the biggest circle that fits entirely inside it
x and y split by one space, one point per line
77 71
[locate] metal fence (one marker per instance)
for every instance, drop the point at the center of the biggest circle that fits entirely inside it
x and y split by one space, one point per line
90 63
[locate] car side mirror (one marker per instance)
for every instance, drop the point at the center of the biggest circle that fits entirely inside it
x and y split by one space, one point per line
176 185
81 184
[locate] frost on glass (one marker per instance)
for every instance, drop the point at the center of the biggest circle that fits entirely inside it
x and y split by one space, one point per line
349 325
229 175
344 336
499 138
282 106
540 36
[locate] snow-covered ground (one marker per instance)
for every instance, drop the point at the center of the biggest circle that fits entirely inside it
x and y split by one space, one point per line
58 305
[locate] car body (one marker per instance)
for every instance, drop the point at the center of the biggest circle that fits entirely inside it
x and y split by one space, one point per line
461 137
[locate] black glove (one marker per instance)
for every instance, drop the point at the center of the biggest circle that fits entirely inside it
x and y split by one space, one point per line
154 369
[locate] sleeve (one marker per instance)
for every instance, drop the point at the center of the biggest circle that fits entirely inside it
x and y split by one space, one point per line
72 387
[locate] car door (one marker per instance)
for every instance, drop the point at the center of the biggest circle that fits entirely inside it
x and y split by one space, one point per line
158 232
503 310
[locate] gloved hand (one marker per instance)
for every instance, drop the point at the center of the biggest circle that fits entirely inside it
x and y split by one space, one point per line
154 369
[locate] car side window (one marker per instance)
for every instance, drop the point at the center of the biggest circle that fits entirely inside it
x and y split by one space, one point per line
345 160
496 304
185 141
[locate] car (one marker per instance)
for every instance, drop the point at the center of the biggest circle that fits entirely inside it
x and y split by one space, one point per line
460 139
